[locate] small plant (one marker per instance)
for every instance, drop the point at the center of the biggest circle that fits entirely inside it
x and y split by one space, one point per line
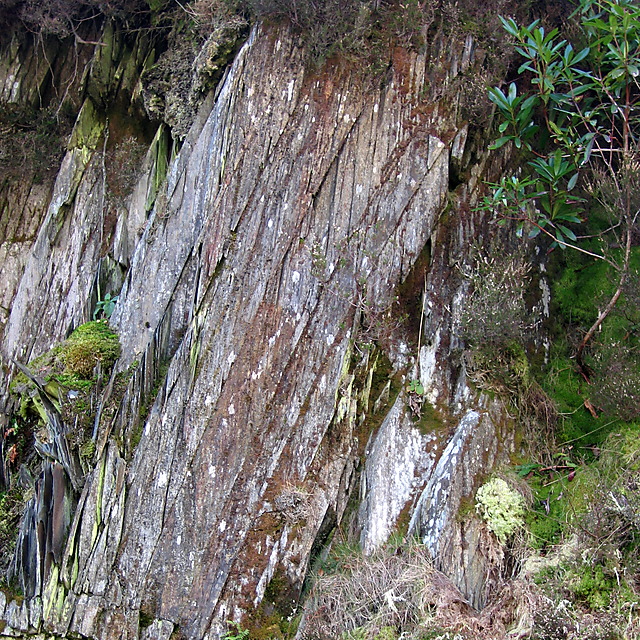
501 507
11 506
415 392
495 313
104 308
123 164
415 386
236 632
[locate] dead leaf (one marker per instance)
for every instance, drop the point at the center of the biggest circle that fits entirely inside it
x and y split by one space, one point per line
12 454
590 408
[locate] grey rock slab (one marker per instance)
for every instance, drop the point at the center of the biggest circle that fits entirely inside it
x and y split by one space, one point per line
158 630
17 616
286 198
295 207
398 463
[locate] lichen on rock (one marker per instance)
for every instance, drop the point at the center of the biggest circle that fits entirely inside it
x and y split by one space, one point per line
501 507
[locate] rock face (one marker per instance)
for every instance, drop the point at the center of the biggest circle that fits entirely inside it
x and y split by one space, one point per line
266 370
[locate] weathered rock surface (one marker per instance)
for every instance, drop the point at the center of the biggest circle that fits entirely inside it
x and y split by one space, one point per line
267 393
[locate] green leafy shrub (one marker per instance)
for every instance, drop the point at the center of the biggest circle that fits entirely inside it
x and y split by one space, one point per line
575 122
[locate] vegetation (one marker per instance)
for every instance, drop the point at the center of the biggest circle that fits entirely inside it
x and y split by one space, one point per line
359 596
90 345
32 140
495 314
235 632
11 507
501 507
576 124
104 307
572 118
69 375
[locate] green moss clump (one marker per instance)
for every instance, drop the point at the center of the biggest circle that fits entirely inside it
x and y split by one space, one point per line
91 343
593 588
387 633
546 522
66 375
88 449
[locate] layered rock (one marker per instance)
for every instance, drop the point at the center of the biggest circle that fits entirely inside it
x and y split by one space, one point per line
263 281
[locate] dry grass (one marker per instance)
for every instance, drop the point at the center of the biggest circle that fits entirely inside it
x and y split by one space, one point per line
402 590
382 590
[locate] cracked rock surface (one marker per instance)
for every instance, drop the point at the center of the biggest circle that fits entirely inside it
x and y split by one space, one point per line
267 378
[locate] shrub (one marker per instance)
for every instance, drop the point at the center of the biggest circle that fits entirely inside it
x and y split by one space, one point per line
366 595
495 313
616 387
33 139
11 506
123 163
62 18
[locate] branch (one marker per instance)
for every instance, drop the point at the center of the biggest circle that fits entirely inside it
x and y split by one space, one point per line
562 242
624 272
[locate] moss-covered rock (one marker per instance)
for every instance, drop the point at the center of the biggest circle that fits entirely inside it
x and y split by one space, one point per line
68 376
91 343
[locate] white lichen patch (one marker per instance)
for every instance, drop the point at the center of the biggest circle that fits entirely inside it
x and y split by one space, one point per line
428 368
501 507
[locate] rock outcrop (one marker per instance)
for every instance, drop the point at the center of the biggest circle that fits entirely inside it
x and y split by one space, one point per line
265 268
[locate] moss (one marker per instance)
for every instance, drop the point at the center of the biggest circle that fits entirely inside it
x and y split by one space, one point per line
431 419
273 619
91 343
592 587
466 508
88 449
160 152
387 633
145 619
582 286
89 128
